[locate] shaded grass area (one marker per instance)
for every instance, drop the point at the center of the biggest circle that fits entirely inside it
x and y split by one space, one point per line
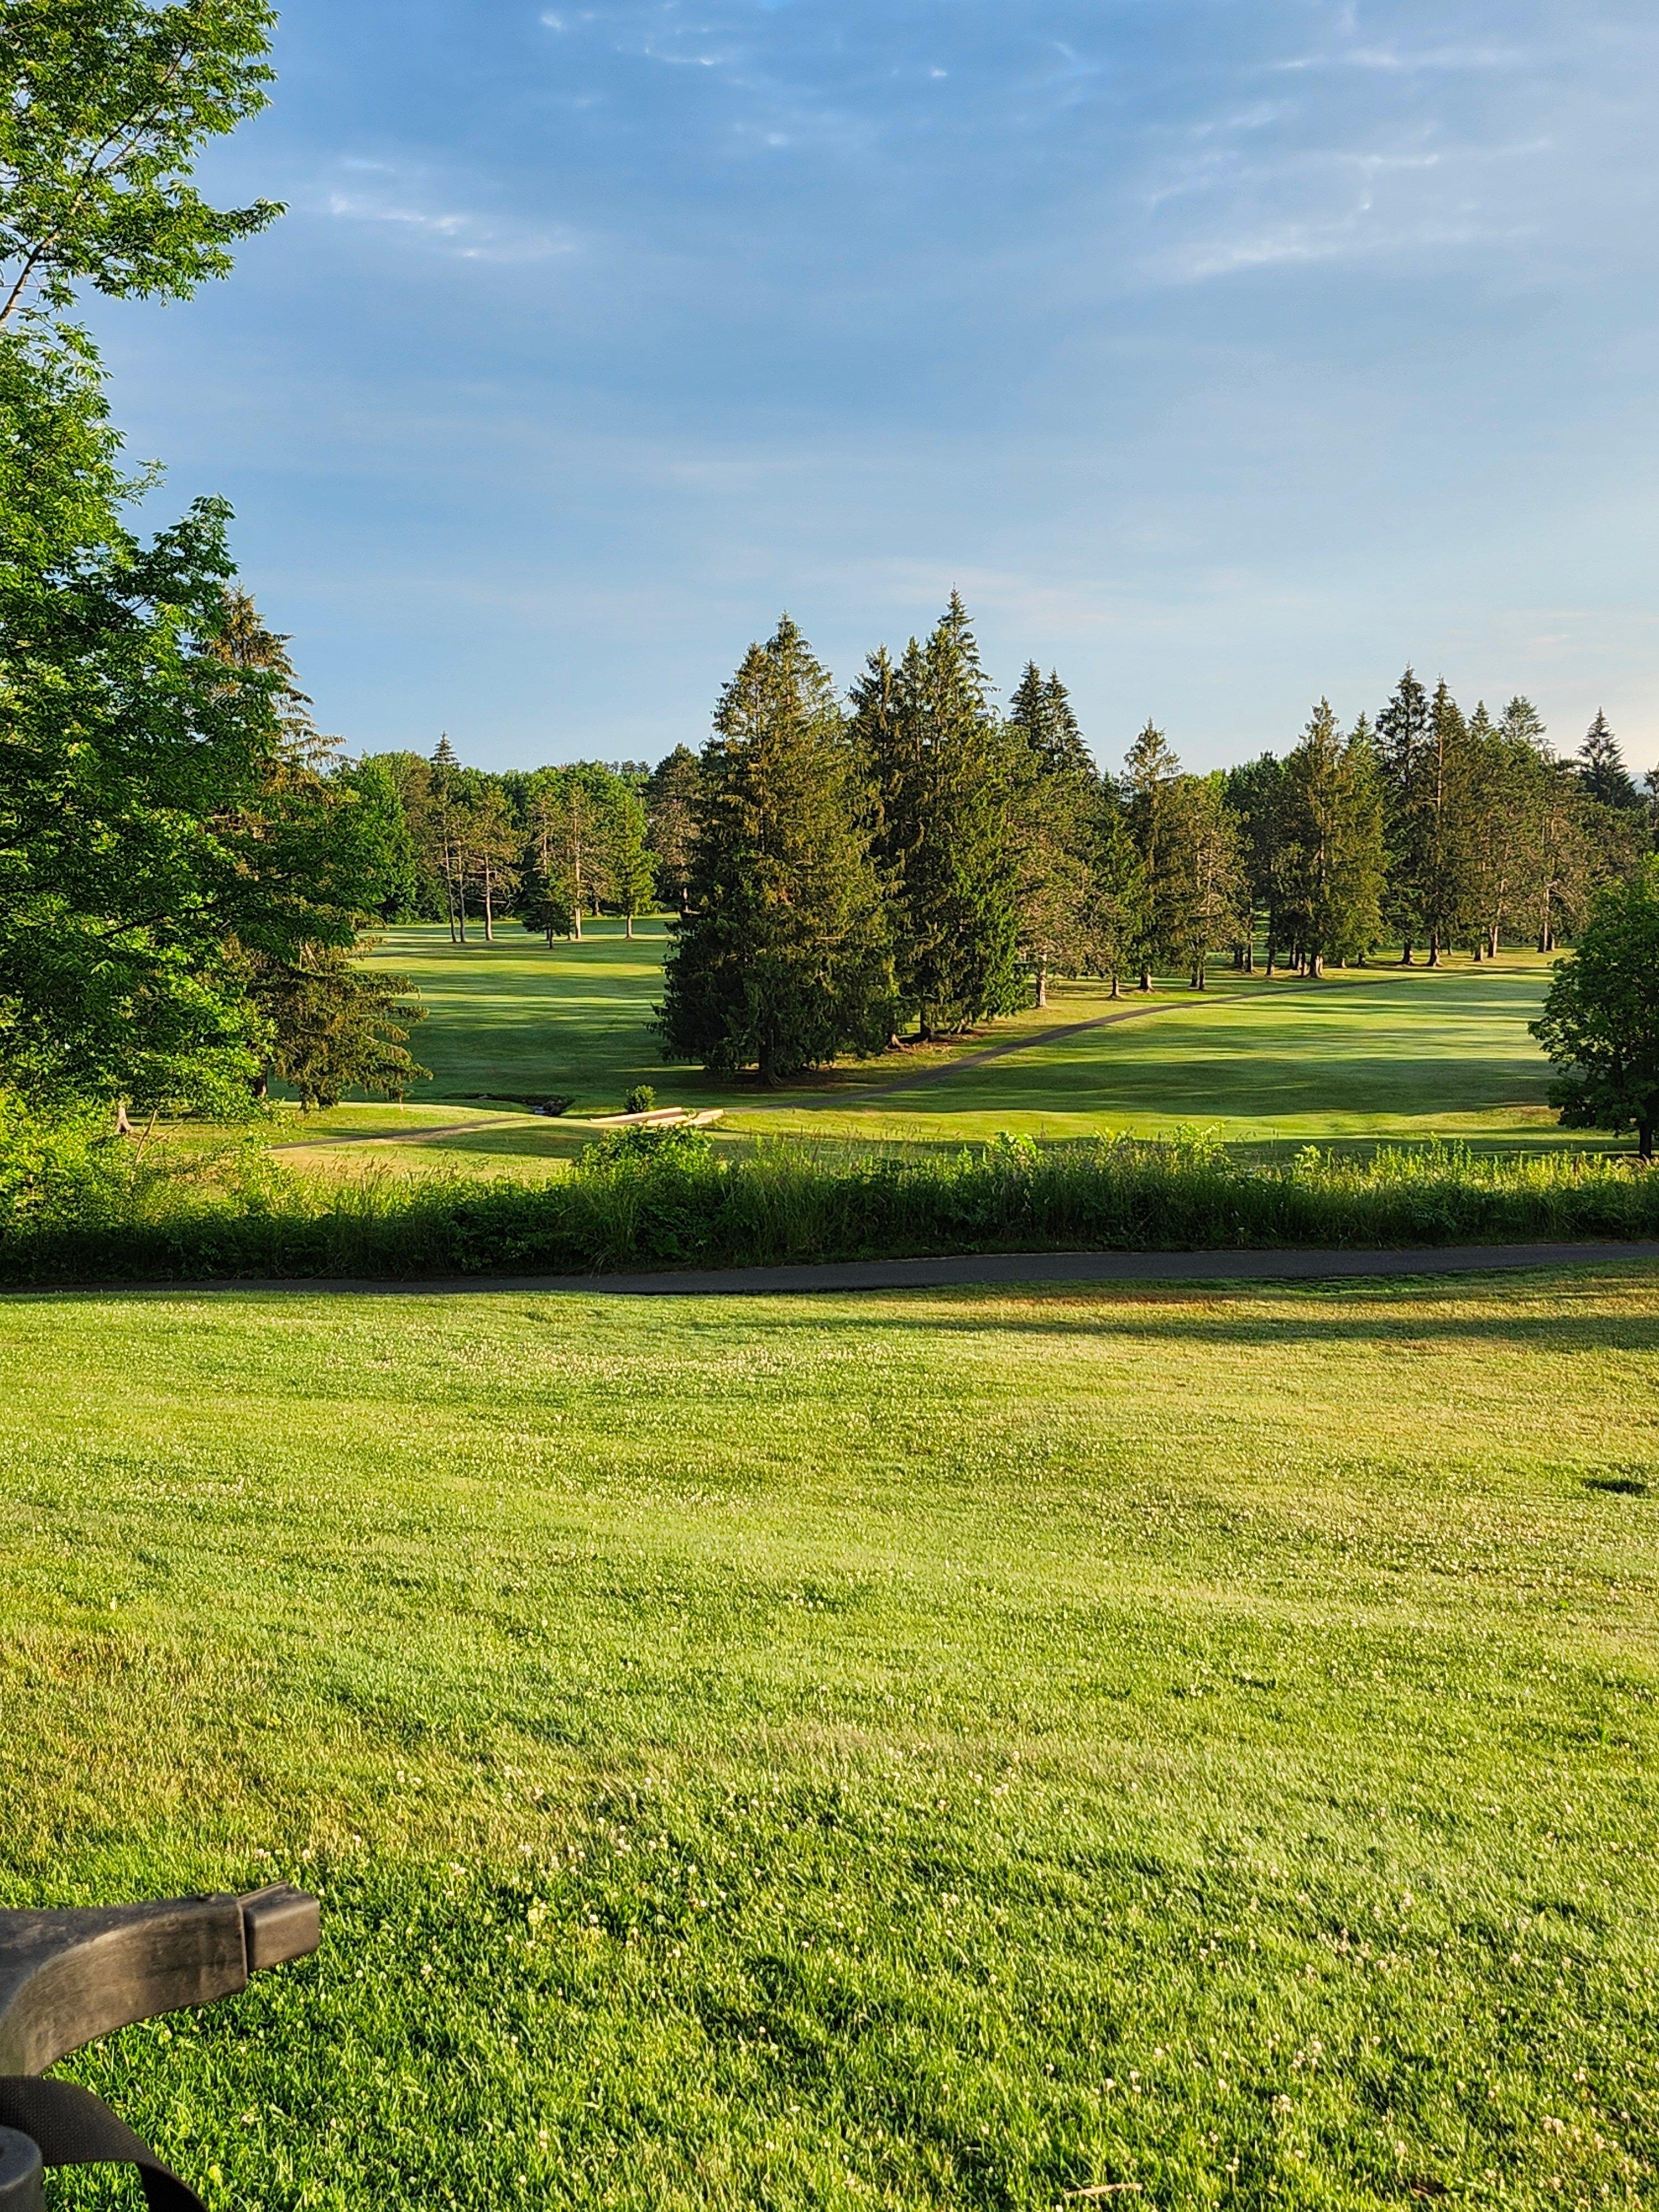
671 1201
1380 1056
948 1750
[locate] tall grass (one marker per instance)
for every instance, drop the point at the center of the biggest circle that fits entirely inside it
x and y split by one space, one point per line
657 1201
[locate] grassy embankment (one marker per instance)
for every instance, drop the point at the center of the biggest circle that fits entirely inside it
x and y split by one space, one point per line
954 1750
1379 1056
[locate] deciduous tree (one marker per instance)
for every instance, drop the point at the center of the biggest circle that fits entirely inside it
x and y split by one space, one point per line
1600 1019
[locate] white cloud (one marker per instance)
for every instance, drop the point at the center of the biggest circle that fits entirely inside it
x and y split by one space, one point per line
1393 61
466 235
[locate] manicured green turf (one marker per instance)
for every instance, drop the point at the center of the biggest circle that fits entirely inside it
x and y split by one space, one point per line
944 1750
1363 1057
520 1017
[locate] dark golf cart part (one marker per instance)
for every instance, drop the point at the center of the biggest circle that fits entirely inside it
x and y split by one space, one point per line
67 1978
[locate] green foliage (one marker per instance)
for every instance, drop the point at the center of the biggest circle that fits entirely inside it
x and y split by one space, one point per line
1601 1020
1054 798
1152 772
584 848
670 1147
786 1203
1602 768
939 768
156 824
1329 858
782 963
104 106
670 797
641 1099
334 1026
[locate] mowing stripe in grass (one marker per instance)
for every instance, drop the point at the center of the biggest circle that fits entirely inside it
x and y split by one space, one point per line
1035 1039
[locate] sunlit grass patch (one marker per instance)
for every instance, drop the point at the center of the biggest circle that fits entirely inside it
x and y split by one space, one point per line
953 1749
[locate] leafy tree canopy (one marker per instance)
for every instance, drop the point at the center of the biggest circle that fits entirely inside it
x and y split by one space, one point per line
104 105
1601 1020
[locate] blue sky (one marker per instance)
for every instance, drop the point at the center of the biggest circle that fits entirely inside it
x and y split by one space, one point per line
1223 352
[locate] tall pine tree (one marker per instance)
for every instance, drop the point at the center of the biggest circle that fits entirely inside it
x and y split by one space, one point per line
781 962
1053 798
1331 844
938 766
1149 785
1403 735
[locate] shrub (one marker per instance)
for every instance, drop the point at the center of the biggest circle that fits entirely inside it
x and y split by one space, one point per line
639 1100
643 1197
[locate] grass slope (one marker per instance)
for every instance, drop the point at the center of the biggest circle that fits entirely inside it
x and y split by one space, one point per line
519 1017
1384 1055
943 1750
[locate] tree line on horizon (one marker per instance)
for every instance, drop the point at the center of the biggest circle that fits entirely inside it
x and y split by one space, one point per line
189 868
839 870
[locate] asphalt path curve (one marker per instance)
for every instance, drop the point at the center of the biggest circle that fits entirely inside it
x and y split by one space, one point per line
951 1272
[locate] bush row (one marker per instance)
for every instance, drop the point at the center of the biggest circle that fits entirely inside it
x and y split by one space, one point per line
649 1200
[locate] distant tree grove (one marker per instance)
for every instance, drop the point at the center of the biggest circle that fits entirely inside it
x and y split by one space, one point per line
838 872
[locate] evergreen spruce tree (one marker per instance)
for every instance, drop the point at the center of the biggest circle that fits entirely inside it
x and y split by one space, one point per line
1602 769
670 825
938 767
1205 874
1053 801
1331 844
1040 710
447 826
630 863
1255 795
1403 735
1442 803
1115 914
1152 774
333 1025
782 963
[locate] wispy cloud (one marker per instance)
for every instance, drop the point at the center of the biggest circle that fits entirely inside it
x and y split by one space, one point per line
466 234
1409 60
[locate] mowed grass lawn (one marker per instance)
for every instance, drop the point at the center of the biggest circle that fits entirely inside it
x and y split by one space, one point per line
1363 1057
934 1750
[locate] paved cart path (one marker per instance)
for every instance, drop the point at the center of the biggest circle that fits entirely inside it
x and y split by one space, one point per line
947 1273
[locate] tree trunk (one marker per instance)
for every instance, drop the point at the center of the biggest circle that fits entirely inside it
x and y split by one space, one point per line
489 917
628 922
1145 978
1644 1135
1434 948
576 923
1316 966
1117 990
1406 954
1043 982
123 1126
